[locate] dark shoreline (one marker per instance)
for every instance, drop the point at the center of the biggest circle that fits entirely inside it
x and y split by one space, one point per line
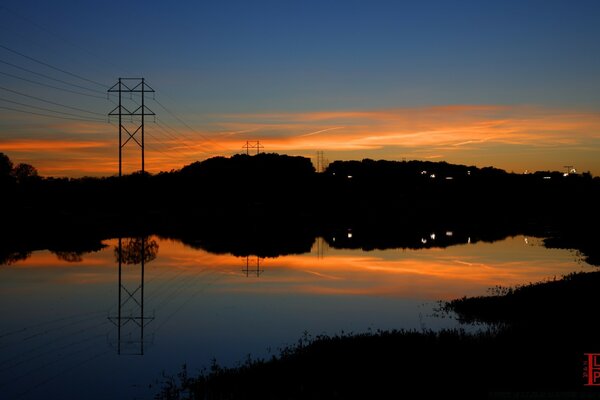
535 343
271 205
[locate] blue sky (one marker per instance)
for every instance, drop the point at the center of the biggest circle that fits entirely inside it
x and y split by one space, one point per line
209 59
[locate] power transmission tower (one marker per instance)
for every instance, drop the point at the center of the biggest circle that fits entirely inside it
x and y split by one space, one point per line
320 162
131 85
253 145
130 319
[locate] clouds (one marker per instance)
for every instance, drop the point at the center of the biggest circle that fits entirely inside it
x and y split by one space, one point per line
424 132
510 137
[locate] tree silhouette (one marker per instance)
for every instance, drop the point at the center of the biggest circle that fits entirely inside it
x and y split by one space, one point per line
24 172
6 166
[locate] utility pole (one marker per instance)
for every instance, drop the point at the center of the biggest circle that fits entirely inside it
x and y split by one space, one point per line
259 146
131 86
320 161
253 145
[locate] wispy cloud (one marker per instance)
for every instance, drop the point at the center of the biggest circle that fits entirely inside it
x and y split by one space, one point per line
322 130
509 136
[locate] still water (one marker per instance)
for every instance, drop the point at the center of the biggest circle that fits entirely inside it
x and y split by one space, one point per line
64 335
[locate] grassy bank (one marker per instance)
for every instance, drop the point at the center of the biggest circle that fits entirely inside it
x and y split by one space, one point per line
535 343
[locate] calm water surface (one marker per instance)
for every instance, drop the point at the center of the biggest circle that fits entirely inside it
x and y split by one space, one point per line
60 336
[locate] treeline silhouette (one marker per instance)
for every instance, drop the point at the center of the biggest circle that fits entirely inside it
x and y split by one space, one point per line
271 204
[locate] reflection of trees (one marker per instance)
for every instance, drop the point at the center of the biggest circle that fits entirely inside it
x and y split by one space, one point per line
12 257
131 251
69 256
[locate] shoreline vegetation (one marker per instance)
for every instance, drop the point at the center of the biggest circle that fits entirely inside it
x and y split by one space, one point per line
530 345
530 339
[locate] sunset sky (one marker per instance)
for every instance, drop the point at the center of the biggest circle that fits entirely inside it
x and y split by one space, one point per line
513 84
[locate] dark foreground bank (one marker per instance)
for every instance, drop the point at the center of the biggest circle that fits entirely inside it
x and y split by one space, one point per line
533 347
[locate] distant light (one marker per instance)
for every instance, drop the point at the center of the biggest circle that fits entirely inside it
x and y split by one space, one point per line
349 235
469 239
349 176
526 172
566 174
432 236
449 233
468 172
432 176
334 174
449 178
423 240
526 241
547 177
423 172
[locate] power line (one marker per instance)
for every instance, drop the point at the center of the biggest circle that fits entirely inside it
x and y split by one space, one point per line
174 136
51 78
60 37
53 321
41 108
165 146
53 67
50 102
51 116
51 86
186 125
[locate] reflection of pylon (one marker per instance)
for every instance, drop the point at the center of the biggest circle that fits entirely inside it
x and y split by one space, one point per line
250 268
321 246
130 319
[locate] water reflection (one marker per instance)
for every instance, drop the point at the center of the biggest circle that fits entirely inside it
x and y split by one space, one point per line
130 319
252 266
54 307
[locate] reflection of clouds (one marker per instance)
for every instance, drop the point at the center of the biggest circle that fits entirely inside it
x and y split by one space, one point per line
319 274
429 274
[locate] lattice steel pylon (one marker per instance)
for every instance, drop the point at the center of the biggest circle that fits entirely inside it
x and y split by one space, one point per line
253 145
131 85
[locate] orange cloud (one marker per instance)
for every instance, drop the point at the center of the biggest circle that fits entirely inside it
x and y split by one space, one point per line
30 145
507 136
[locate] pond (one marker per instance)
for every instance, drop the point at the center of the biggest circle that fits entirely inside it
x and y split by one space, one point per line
78 325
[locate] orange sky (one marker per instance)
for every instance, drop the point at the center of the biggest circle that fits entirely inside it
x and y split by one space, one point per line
514 138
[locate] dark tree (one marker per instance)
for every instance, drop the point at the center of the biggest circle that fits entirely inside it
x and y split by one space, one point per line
24 172
6 165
